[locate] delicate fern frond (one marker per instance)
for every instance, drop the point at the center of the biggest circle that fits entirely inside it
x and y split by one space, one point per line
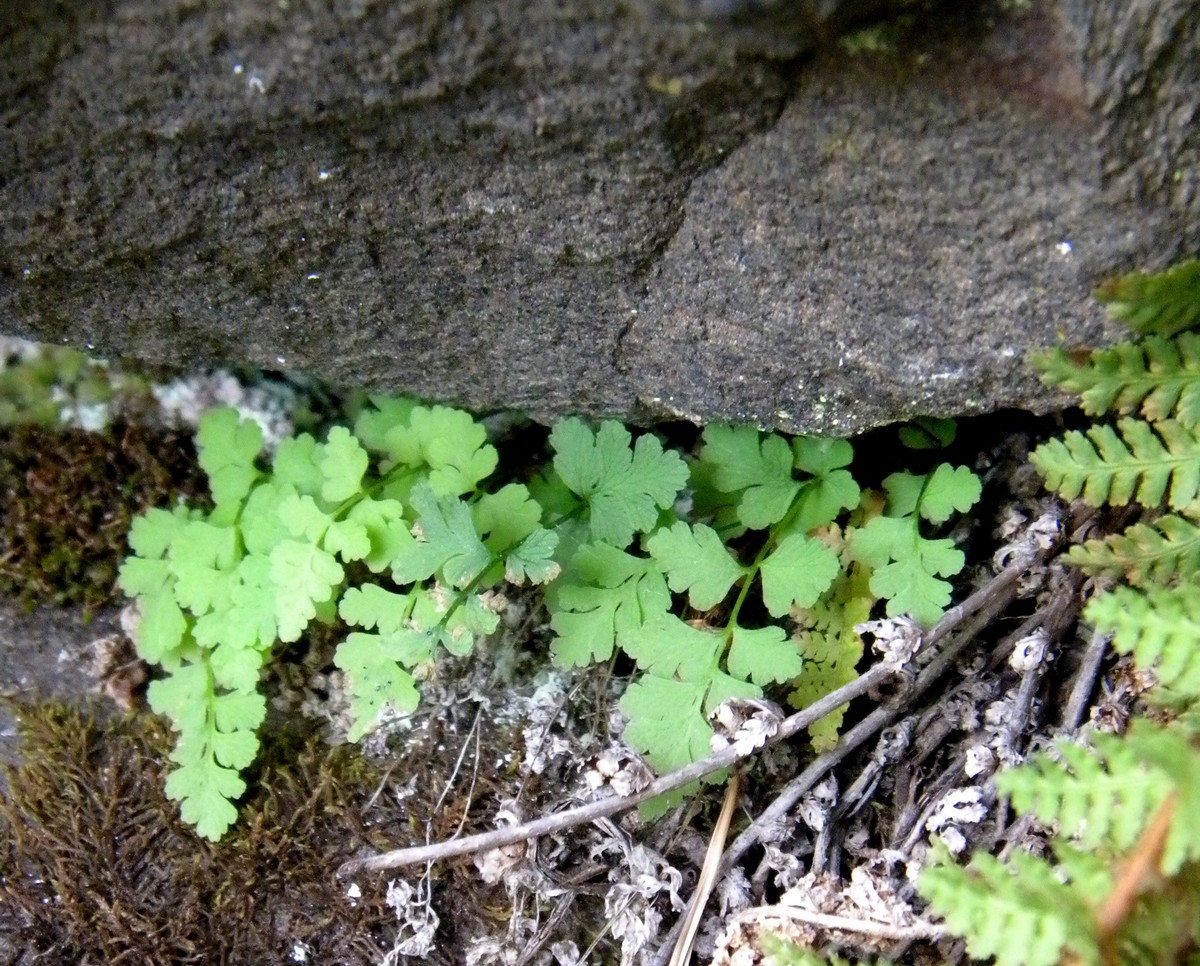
1164 303
1161 376
1018 911
1170 751
1159 626
1102 797
1107 466
1145 553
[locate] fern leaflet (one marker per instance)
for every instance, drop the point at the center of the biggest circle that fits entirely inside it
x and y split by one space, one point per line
1159 626
1159 376
1018 911
1145 553
1107 466
1164 303
1102 797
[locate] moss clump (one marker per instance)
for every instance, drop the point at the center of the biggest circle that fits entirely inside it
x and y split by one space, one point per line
96 865
70 497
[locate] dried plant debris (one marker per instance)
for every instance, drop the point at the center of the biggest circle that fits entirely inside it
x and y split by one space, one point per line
97 868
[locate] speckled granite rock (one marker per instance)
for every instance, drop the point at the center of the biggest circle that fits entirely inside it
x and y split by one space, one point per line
591 206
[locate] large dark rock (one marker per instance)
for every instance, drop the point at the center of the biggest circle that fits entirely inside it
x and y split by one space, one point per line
605 207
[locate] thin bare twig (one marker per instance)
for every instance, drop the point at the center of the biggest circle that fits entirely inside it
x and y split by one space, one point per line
1085 680
891 932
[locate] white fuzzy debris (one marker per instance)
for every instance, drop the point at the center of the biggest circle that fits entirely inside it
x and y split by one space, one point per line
979 760
13 349
733 891
418 921
300 952
621 769
745 723
185 400
959 806
897 639
354 893
1027 540
1029 651
629 903
815 806
496 864
953 839
545 715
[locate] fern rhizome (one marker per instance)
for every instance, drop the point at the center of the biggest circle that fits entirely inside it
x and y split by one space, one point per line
743 568
1123 883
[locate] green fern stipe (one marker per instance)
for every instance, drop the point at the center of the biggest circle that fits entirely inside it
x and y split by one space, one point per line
1145 553
1135 462
1159 626
1164 304
1160 377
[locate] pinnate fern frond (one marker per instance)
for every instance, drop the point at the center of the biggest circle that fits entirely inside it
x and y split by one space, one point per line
1161 377
1171 751
1145 554
1019 911
1102 796
1135 462
1158 626
1164 303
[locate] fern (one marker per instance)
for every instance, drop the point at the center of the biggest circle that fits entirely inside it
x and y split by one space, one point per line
1130 802
392 527
1102 796
1137 461
1164 304
220 591
1158 377
1021 912
1146 553
1158 626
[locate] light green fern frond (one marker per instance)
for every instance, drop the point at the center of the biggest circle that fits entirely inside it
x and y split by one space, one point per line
1159 376
1102 797
1132 462
1164 303
1018 911
1145 553
1170 751
1159 626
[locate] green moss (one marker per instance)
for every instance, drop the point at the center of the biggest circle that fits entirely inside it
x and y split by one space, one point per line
70 498
96 865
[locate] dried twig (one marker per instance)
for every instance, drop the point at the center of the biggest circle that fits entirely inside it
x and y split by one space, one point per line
1085 680
892 932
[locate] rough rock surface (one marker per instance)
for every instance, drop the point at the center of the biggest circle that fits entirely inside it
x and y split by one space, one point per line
594 206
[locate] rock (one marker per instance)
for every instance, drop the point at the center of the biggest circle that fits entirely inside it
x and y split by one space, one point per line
613 209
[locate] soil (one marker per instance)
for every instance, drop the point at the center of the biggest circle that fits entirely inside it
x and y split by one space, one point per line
99 868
